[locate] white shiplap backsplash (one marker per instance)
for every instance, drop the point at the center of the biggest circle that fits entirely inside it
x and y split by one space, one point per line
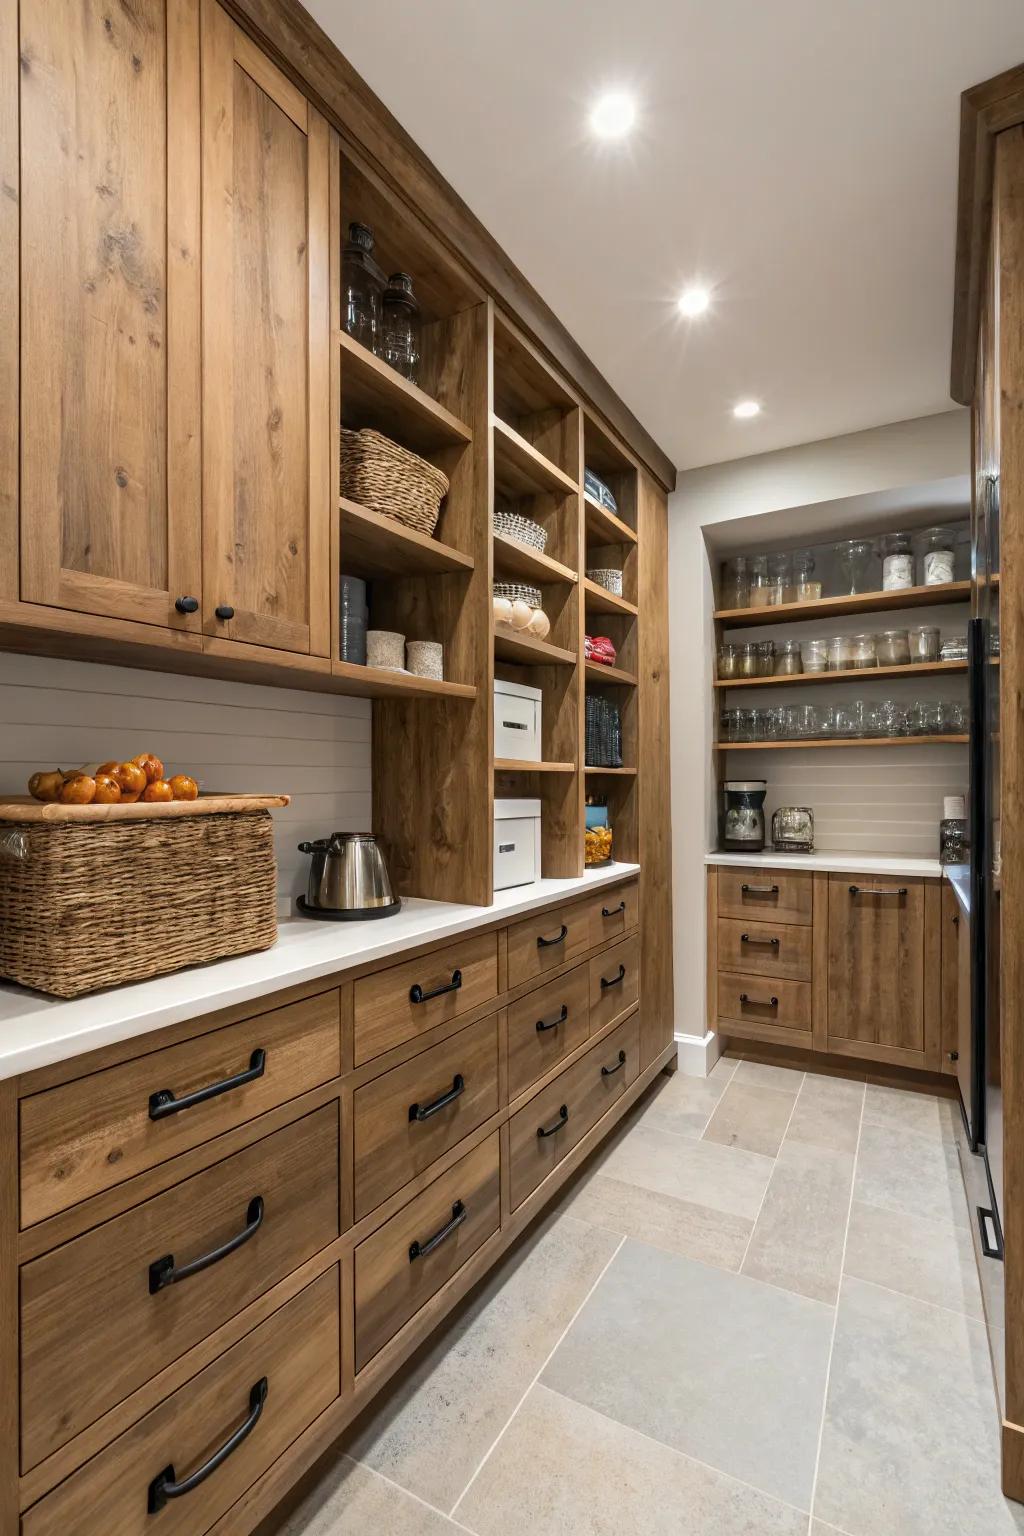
233 737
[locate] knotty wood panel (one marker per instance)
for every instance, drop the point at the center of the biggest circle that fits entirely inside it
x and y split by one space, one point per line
384 1014
110 307
533 1051
747 946
10 307
876 957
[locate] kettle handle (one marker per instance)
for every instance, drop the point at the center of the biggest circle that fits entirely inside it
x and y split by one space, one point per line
307 848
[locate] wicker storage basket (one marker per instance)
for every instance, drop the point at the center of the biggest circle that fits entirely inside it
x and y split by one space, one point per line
88 904
388 479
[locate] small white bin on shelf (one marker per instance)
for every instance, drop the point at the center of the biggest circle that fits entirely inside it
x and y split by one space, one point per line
517 709
516 843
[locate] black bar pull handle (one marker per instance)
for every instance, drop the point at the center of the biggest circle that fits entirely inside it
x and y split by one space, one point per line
165 1486
607 1071
424 1111
420 1250
543 1024
615 980
760 1002
417 994
878 890
759 890
163 1102
613 911
563 1116
746 938
162 1272
559 938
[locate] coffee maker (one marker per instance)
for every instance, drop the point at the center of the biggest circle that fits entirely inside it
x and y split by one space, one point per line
743 821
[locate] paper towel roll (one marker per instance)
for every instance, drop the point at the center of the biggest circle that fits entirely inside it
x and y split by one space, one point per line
953 808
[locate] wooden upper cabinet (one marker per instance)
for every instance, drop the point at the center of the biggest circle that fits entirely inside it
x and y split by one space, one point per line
110 307
266 340
876 966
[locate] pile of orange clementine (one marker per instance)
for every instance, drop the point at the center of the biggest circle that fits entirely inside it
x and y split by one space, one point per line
113 783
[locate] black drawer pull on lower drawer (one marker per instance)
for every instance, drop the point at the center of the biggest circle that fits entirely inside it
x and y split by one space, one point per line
613 911
417 994
543 1024
759 890
163 1102
878 890
563 1116
559 938
760 1002
419 1250
746 938
162 1272
607 1071
424 1111
164 1486
614 981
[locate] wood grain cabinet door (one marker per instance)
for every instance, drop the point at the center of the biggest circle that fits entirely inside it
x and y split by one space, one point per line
876 967
110 308
266 340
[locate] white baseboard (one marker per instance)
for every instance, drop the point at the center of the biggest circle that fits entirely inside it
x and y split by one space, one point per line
698 1053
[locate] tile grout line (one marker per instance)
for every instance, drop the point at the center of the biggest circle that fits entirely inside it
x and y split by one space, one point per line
775 1161
835 1315
408 1492
917 1300
540 1372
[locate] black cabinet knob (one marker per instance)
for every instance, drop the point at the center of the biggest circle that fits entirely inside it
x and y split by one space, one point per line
186 604
224 611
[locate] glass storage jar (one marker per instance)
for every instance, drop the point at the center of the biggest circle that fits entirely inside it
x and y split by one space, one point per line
897 562
856 567
814 655
765 657
787 658
402 327
765 588
777 723
839 653
892 647
938 553
728 661
924 643
759 723
362 289
892 719
804 589
748 661
862 652
597 834
803 722
780 572
954 718
927 719
735 590
727 725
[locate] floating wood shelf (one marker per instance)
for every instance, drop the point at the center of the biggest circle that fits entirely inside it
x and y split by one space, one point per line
597 600
374 683
374 395
598 673
836 607
516 765
859 675
605 527
614 773
376 546
514 645
515 559
843 741
519 470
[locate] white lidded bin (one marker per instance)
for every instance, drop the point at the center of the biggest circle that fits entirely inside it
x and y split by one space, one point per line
517 709
516 843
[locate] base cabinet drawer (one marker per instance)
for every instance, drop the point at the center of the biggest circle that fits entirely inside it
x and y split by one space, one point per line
614 982
399 1268
97 1131
766 895
560 1115
545 1026
765 1000
407 1000
546 941
765 949
102 1314
614 912
411 1115
276 1380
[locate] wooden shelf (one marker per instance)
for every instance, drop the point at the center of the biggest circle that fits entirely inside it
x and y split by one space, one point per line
597 600
836 607
516 559
596 672
514 645
376 546
374 395
519 470
859 675
613 773
373 683
843 741
605 527
516 765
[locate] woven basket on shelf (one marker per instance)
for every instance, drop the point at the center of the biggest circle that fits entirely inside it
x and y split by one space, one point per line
96 904
388 479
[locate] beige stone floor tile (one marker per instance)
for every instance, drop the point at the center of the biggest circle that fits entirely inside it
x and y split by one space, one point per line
751 1118
799 1235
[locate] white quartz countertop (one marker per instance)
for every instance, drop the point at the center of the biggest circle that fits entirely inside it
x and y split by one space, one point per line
36 1031
837 862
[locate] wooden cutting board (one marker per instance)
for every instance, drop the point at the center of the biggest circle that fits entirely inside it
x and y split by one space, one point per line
24 808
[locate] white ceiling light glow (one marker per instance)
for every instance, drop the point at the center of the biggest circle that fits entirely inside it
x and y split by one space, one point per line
694 301
613 115
746 409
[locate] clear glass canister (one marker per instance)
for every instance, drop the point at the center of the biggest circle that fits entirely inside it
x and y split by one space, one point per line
814 655
804 589
362 289
748 661
892 647
765 587
402 327
838 653
735 590
728 661
765 657
787 658
897 562
924 643
862 652
780 571
856 567
938 546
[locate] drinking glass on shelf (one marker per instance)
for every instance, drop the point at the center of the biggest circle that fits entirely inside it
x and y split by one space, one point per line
892 719
926 719
857 567
847 723
727 725
923 641
954 718
735 592
801 721
826 720
804 589
759 724
776 726
744 725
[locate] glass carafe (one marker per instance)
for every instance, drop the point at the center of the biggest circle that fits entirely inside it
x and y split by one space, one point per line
362 289
402 327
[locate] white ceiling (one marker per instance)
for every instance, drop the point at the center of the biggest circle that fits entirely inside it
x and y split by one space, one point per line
798 155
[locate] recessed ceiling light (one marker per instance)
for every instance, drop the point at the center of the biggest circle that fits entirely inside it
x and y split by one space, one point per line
694 301
613 115
746 409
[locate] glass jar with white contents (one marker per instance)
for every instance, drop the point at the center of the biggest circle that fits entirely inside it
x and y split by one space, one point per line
897 562
938 546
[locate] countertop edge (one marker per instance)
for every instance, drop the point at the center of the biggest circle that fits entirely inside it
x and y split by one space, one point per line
839 862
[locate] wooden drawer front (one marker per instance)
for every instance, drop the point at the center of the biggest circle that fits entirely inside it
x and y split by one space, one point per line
567 1108
768 895
562 1007
614 912
547 941
755 1000
614 982
386 1014
92 1330
764 949
459 1211
97 1131
393 1145
297 1351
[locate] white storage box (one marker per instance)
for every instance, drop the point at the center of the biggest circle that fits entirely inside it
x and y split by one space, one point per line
516 843
517 721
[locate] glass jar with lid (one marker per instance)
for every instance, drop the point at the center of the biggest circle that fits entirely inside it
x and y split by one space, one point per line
787 658
402 327
839 653
897 562
862 652
892 647
780 573
924 642
735 588
362 289
804 589
765 587
728 662
748 662
938 553
765 657
856 567
814 655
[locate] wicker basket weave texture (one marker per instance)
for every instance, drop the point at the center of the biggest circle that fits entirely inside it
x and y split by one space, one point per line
98 904
389 479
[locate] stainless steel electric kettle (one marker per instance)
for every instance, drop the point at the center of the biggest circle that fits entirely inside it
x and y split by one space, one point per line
348 879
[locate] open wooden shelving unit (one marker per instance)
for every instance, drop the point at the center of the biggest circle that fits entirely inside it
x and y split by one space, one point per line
842 607
851 675
842 741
